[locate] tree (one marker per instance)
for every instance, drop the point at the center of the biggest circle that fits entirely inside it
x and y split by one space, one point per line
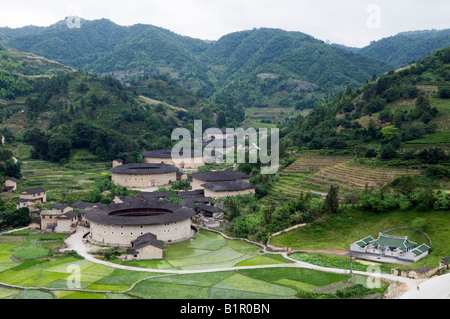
389 133
331 204
221 119
59 147
12 169
418 224
18 218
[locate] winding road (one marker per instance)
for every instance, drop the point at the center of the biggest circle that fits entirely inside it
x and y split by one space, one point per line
435 288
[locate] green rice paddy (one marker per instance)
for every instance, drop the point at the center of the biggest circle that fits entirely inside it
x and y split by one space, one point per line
52 276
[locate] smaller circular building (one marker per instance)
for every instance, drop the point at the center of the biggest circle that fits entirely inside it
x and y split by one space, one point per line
120 224
143 175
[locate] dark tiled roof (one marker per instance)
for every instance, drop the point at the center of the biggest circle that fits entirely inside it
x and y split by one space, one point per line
209 208
68 215
34 190
60 206
192 194
82 205
220 176
139 212
228 186
144 168
13 179
166 154
146 240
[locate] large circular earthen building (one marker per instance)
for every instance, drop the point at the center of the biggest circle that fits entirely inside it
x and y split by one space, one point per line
120 224
144 175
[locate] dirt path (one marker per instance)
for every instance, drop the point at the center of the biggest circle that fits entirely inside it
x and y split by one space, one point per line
75 242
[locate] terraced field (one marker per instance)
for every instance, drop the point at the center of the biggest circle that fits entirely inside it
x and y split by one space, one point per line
317 174
349 176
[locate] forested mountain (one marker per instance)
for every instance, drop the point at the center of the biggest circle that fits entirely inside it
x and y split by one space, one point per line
78 110
405 47
393 118
104 47
274 67
263 67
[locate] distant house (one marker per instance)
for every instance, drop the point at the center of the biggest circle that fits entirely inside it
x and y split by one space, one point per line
225 189
62 207
391 246
209 216
145 247
35 224
49 220
11 184
117 162
31 196
80 205
66 222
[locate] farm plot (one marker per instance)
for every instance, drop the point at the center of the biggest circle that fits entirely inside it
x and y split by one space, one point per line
206 251
350 177
293 180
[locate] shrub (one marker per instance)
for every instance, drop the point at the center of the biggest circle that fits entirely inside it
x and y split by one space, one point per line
418 224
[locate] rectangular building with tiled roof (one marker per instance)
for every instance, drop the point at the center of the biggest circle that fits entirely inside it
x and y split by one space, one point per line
391 246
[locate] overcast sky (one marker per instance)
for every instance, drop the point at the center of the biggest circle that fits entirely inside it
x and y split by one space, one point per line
350 22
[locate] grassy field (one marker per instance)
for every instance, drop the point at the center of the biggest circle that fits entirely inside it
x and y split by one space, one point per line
268 117
101 282
338 232
62 181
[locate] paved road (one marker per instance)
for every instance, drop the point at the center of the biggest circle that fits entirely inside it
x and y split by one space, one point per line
438 288
435 288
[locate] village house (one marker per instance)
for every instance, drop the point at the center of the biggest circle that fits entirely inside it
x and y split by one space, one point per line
208 216
145 247
391 246
11 184
117 162
66 222
49 220
30 196
62 207
35 224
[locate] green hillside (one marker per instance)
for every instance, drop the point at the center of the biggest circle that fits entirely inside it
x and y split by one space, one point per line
405 47
275 67
272 67
59 111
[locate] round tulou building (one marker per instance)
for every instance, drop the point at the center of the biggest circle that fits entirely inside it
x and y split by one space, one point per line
143 175
120 224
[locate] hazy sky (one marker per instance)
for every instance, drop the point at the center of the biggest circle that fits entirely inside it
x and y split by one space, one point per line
349 22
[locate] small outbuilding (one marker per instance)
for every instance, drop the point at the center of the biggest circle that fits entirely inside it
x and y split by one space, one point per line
11 184
145 247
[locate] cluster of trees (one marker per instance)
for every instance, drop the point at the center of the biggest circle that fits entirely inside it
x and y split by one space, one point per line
12 86
56 146
379 201
332 125
15 219
249 218
8 166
